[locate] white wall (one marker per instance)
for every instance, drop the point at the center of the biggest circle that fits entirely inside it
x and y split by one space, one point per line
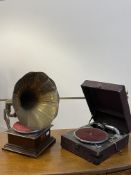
70 40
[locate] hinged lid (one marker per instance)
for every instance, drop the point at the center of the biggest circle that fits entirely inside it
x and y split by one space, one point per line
108 104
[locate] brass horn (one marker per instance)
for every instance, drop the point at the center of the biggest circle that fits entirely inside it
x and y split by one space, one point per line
35 100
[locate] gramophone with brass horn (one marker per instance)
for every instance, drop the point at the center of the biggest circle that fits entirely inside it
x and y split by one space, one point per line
35 101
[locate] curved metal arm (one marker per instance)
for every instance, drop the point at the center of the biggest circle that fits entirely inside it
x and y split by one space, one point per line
7 120
113 129
103 126
7 112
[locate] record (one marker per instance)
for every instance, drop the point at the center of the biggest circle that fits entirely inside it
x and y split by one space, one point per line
91 135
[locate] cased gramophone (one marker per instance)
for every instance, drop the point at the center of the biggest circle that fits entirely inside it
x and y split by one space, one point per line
35 101
109 131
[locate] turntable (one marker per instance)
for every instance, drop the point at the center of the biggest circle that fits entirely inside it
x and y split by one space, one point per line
109 126
35 102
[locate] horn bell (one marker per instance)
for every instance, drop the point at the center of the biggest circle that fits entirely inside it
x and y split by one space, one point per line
35 100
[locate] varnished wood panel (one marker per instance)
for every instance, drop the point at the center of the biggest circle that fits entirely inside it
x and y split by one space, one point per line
59 161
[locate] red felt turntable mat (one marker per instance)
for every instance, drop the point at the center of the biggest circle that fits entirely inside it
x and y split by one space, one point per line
91 135
19 127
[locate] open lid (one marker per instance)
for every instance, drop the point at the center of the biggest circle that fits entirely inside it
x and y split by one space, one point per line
108 104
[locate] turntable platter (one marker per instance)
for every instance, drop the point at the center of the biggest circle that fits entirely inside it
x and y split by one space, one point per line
91 135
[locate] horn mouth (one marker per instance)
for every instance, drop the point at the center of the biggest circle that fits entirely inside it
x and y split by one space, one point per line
28 100
35 100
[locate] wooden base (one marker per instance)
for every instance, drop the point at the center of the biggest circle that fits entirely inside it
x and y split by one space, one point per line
32 153
29 144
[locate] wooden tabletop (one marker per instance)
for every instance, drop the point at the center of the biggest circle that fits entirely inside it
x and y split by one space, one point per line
56 160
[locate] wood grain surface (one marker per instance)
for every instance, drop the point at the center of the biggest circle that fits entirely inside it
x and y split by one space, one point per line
56 160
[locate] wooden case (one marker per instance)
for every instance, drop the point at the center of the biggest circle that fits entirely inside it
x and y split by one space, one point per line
108 104
29 144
